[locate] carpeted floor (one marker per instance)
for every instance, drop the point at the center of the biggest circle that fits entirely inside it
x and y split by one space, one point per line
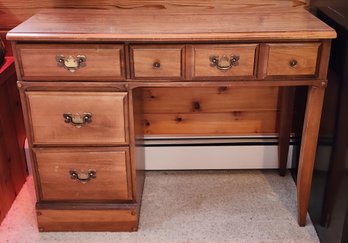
200 206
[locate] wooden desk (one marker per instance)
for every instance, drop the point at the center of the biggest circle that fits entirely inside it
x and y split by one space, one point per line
82 79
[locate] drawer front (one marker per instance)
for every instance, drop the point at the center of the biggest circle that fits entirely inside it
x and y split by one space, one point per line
224 61
157 62
292 59
71 61
78 118
82 174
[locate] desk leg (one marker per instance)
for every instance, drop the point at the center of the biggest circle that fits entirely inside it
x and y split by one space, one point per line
308 149
285 124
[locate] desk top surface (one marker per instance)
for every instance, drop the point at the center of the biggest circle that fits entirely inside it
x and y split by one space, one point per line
177 24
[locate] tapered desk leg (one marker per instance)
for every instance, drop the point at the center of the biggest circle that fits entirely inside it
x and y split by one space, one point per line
308 149
285 123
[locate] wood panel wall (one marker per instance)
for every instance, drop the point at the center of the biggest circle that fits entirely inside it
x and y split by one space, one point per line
14 12
185 111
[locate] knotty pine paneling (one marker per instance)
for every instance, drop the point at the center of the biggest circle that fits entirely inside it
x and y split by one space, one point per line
212 99
228 123
210 111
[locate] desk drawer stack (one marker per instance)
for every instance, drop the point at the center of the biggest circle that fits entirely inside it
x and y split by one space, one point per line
82 93
79 135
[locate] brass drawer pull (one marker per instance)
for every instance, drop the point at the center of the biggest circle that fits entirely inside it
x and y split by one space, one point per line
78 120
293 63
224 63
83 177
71 63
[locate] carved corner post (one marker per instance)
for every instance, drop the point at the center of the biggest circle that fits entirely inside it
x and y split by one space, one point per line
308 149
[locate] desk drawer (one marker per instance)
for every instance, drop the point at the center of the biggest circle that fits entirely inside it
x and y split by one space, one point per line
78 118
293 59
83 174
71 61
224 61
157 62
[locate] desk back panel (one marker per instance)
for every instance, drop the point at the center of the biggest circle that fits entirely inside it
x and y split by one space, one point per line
197 111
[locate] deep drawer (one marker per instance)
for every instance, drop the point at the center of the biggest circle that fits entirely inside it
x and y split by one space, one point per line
293 59
218 61
78 118
83 174
70 61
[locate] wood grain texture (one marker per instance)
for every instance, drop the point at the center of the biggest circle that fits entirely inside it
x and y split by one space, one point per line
308 149
15 12
160 25
7 189
110 165
13 169
220 99
280 56
38 62
87 220
170 61
324 59
230 123
108 123
206 106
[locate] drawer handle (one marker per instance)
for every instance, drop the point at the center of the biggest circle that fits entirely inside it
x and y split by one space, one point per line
293 63
77 119
156 65
71 63
83 177
224 63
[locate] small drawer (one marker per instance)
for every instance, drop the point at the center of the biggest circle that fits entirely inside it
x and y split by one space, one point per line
78 118
218 61
292 59
162 62
70 61
83 174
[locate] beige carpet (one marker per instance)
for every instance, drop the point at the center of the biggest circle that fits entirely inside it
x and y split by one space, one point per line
226 206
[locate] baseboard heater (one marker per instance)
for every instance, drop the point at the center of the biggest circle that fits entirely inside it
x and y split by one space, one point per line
205 153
